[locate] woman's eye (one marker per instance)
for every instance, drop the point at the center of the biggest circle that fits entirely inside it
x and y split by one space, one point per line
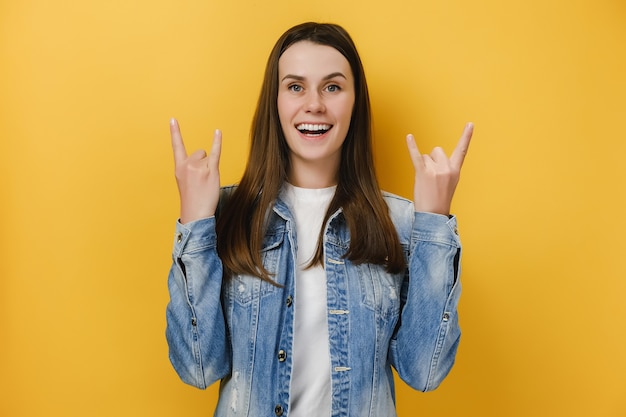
333 88
295 88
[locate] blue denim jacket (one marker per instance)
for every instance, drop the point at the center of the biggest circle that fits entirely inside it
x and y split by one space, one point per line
240 330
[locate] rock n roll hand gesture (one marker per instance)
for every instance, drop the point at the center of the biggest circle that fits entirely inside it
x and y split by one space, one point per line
436 175
197 177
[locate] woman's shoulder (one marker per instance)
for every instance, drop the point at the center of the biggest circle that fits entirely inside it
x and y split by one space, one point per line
396 202
401 212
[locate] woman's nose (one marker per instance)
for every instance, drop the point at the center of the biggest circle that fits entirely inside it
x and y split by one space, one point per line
314 103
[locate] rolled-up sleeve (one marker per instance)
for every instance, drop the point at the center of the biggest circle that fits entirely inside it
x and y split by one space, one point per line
196 331
425 342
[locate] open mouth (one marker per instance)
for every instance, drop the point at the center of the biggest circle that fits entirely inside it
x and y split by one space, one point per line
309 129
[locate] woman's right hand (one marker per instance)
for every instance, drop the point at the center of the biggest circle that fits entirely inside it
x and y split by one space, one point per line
197 177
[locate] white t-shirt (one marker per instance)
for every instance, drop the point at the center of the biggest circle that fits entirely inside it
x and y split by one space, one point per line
310 376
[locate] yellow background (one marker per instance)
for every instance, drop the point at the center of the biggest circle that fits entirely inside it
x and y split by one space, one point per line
89 201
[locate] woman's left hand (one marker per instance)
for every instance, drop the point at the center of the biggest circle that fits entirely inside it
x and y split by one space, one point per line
436 175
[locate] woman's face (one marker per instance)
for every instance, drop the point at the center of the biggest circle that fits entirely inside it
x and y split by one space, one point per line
315 101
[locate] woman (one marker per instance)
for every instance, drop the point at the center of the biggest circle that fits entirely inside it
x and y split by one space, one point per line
301 287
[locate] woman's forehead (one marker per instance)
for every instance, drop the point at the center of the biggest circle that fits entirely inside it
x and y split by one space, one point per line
307 58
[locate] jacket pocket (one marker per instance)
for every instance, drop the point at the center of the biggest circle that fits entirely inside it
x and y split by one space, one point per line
380 291
244 289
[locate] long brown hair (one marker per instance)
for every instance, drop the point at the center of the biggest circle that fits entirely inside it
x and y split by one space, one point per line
241 225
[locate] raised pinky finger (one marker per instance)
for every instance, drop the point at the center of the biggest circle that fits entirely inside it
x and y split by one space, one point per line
414 152
216 149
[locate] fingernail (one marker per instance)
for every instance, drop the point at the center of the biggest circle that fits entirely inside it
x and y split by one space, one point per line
172 121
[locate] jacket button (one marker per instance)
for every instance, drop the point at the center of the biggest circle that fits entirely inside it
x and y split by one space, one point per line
282 355
289 301
446 316
278 410
179 237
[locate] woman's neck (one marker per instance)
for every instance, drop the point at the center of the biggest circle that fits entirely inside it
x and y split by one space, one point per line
305 175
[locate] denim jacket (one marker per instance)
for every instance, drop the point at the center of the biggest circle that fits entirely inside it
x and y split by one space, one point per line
239 330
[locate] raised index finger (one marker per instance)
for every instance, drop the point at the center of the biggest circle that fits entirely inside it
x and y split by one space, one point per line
458 155
180 153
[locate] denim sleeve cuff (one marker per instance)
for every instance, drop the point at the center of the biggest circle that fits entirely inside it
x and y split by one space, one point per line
194 236
435 228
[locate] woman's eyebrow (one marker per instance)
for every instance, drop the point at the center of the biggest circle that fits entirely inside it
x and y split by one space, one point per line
335 74
301 78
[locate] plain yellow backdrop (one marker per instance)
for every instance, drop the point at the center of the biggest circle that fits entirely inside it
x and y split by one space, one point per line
89 200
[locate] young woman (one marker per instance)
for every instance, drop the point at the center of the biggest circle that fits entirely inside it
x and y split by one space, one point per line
300 288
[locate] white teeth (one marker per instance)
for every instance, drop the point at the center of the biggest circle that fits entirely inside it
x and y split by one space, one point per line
313 127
